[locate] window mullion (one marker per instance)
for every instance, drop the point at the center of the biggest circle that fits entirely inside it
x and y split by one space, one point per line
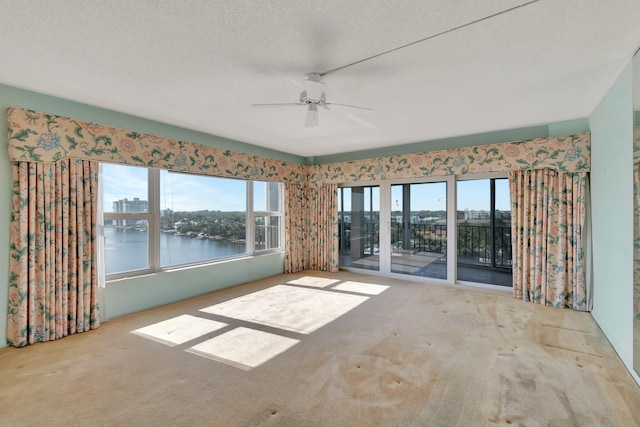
452 229
123 216
492 216
251 222
154 220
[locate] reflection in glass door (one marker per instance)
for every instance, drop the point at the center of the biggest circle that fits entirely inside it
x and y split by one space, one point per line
484 231
359 227
418 229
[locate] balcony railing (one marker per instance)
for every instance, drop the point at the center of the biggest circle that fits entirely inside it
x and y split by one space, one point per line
474 245
474 241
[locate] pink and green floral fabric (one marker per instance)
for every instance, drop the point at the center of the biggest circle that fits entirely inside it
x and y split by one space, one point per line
562 153
636 240
636 223
296 227
41 137
547 220
311 232
53 284
323 222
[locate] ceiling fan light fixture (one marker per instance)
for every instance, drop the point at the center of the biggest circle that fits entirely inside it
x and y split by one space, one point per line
313 86
312 116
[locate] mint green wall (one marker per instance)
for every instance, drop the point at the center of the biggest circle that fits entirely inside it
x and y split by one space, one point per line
132 295
612 215
136 294
569 127
5 200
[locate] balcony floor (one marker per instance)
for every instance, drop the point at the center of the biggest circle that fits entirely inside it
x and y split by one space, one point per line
426 265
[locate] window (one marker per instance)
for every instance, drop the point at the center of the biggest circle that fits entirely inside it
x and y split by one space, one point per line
484 231
156 219
267 207
359 227
126 218
419 229
201 218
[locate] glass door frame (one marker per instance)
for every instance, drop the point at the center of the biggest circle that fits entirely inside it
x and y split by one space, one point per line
452 237
475 177
385 226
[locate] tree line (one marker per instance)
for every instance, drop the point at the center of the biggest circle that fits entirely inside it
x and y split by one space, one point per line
216 224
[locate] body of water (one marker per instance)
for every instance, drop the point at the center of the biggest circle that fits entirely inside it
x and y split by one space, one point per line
126 250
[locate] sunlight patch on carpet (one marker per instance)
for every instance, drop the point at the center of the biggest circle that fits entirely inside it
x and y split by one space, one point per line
180 329
243 348
361 288
316 282
290 308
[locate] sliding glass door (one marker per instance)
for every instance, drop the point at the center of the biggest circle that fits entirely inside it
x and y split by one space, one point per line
484 231
359 227
419 229
444 229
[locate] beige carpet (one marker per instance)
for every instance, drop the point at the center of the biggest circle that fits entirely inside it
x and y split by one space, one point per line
320 349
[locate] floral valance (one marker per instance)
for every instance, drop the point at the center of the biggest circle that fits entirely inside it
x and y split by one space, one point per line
571 153
40 137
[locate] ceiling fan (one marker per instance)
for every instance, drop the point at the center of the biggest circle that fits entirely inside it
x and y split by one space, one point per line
313 96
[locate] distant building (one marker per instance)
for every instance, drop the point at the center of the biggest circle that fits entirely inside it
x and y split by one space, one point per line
485 215
473 214
128 206
503 215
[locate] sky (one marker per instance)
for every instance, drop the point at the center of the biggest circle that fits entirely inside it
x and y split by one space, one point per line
185 192
472 195
179 192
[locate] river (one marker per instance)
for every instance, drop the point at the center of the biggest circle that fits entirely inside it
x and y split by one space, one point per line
126 250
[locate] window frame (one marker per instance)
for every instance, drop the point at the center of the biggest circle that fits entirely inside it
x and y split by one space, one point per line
153 218
152 260
492 177
253 214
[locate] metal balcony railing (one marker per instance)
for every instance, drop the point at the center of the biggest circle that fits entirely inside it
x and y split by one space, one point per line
474 241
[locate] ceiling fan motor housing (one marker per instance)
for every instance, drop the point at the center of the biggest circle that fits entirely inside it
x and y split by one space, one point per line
314 88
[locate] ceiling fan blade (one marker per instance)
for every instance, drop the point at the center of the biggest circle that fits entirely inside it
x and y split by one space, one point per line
328 104
311 119
280 104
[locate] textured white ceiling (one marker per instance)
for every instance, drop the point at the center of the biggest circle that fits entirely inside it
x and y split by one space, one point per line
201 63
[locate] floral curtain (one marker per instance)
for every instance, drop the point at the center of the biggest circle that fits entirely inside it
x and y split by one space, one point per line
53 284
636 241
636 223
296 227
548 215
323 227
